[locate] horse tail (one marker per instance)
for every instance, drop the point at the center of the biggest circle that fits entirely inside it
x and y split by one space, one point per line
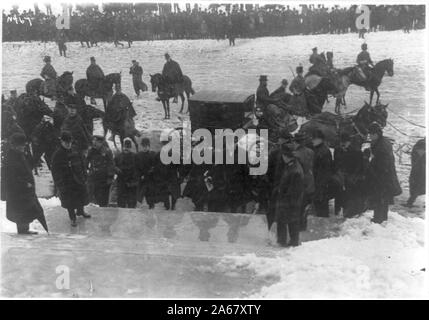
188 85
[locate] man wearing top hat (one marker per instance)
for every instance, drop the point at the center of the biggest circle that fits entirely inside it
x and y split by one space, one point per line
50 76
297 85
263 98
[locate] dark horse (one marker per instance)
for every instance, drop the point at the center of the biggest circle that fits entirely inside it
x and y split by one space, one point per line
119 120
106 88
332 125
30 110
63 86
350 76
165 92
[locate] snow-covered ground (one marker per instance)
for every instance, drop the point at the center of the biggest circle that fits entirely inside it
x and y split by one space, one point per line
366 260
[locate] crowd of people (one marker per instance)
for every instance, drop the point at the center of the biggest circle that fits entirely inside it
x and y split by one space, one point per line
152 22
302 172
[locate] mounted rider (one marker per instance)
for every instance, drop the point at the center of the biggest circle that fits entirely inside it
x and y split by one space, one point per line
318 62
50 76
364 62
172 73
119 107
297 85
95 76
263 95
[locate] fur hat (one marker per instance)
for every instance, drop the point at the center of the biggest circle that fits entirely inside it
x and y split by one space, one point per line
299 69
263 78
47 59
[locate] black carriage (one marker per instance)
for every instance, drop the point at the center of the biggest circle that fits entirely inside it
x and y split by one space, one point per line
220 109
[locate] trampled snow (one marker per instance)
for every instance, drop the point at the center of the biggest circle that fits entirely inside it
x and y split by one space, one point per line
366 261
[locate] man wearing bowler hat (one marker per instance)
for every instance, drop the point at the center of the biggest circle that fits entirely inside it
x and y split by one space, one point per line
70 178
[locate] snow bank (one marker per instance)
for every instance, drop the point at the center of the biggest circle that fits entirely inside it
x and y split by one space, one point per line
366 261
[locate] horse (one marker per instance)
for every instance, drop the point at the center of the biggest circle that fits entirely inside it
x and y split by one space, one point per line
86 111
350 76
30 110
44 141
332 125
119 120
83 89
165 91
63 85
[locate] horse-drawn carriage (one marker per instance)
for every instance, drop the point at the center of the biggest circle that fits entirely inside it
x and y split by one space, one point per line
220 109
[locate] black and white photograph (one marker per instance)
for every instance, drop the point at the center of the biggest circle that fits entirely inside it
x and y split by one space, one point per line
262 150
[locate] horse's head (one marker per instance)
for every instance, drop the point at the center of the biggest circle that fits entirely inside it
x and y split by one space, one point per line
390 67
67 77
155 81
380 113
368 114
384 66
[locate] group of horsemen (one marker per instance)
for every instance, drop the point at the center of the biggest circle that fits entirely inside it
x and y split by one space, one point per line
321 66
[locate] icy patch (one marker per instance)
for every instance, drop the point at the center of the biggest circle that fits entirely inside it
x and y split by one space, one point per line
366 261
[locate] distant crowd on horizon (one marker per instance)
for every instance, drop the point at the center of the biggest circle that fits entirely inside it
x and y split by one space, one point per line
151 21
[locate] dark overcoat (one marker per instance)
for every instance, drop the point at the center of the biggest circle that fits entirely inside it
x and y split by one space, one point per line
289 193
69 173
382 179
22 205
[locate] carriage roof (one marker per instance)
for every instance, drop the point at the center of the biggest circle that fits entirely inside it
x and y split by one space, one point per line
222 96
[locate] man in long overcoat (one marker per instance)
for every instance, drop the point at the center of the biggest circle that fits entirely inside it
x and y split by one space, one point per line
101 170
305 156
22 205
322 170
382 179
137 73
288 196
70 178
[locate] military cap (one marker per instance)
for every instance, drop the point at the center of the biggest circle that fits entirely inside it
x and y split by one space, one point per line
263 78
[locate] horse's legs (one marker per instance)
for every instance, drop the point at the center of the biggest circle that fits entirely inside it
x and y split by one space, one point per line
182 97
168 108
370 97
378 96
133 139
